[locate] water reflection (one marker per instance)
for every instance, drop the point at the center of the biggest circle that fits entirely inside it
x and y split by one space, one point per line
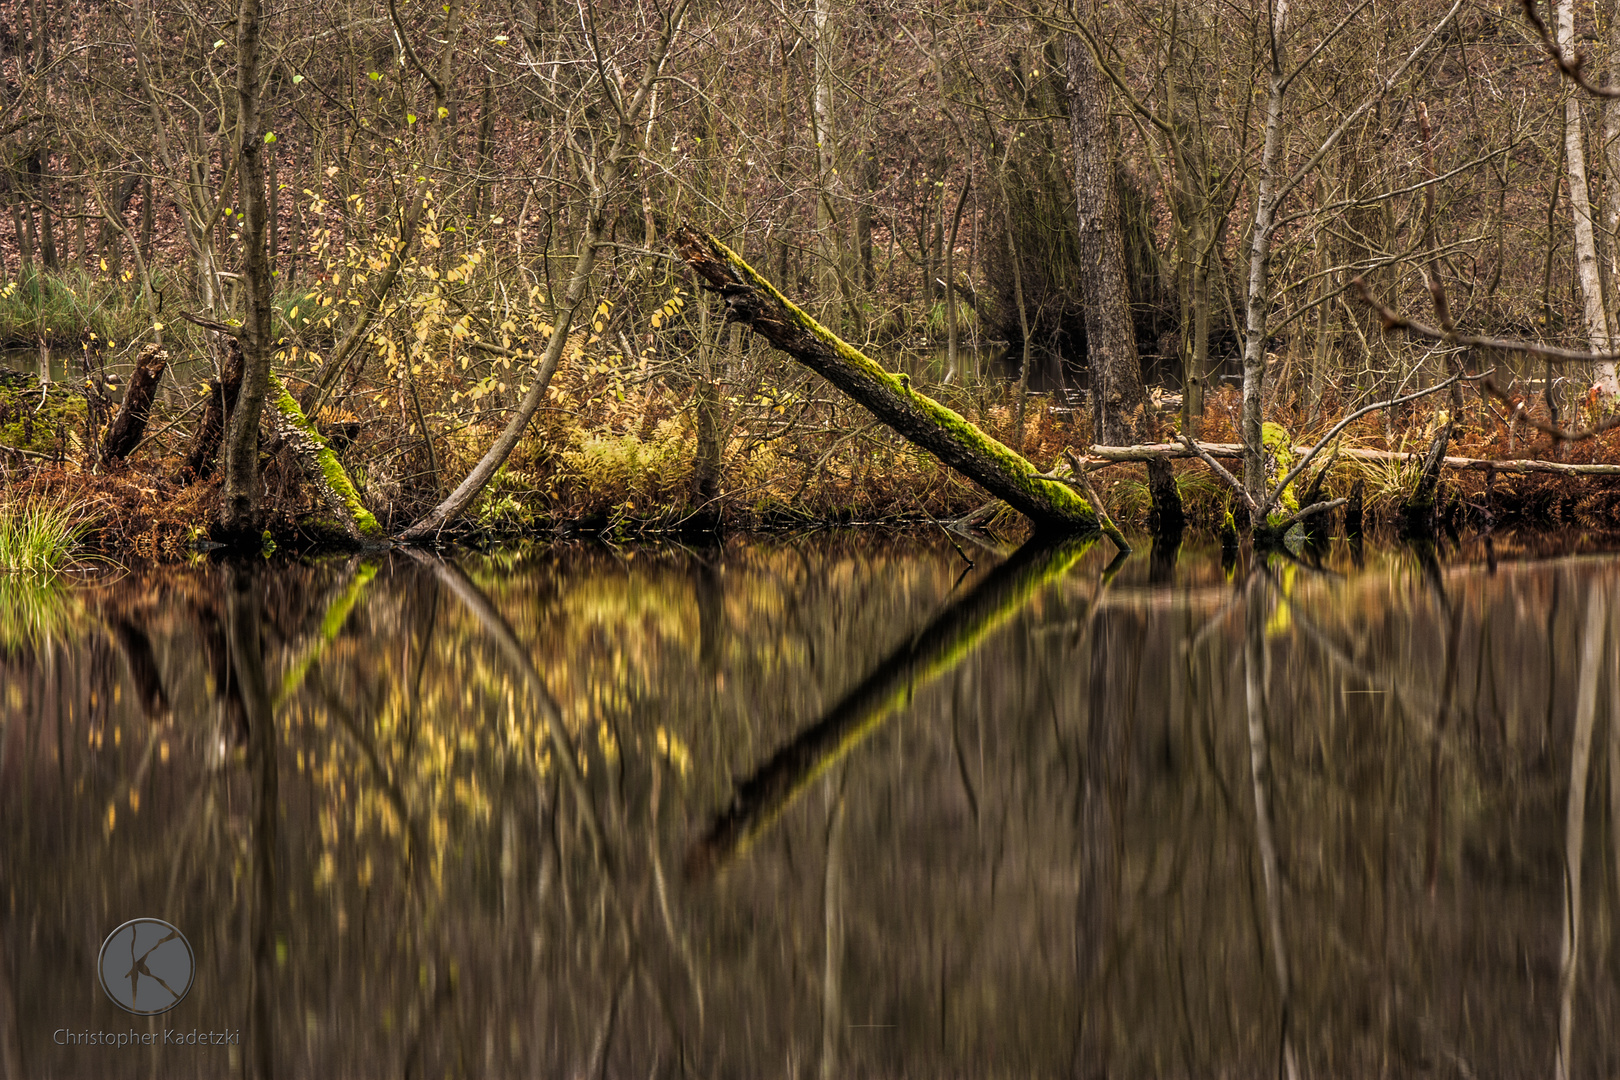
825 807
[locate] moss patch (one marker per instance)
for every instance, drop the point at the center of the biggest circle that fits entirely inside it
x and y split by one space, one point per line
52 427
309 444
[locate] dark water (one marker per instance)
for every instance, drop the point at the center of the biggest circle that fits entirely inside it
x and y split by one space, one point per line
835 807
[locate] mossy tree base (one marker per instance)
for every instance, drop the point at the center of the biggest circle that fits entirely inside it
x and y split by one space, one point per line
754 302
320 465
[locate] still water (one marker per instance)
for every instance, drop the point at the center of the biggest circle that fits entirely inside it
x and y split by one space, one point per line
840 806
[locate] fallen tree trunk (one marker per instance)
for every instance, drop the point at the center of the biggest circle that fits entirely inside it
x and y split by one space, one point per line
1099 456
125 432
754 302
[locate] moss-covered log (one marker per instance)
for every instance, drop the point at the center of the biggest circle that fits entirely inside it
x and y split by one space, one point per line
754 302
320 465
937 649
124 434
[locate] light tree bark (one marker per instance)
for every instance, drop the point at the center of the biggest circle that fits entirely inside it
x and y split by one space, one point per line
1607 376
1593 307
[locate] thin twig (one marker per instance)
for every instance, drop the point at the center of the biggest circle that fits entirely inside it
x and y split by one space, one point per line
1570 67
1393 320
1221 471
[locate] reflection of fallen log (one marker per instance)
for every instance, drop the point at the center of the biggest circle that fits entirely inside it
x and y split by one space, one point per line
937 649
1099 456
754 302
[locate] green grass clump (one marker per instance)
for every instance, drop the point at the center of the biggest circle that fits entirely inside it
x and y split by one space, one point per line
34 610
39 539
58 308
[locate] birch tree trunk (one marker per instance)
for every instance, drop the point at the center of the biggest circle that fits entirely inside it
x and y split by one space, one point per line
1606 376
1586 260
1258 298
830 272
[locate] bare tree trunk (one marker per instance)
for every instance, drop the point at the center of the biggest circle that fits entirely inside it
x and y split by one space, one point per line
1607 378
950 281
1586 261
238 521
127 428
1023 328
1116 370
1258 298
823 131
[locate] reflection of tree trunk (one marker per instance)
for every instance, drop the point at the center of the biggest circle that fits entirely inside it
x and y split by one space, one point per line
143 669
227 688
1256 670
1442 716
247 661
1575 825
495 624
711 610
938 648
1614 744
10 1057
832 900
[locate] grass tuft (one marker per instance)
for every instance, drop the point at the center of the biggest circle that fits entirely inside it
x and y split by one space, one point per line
38 539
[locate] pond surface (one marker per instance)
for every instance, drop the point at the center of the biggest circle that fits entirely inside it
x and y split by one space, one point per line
840 806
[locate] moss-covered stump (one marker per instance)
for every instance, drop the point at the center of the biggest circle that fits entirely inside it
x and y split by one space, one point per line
320 465
755 302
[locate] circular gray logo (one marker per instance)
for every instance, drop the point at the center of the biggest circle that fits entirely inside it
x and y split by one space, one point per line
146 966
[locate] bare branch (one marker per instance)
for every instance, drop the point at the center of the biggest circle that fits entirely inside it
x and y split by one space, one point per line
1571 68
1220 471
1393 320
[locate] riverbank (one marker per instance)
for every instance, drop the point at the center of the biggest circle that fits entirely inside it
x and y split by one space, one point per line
632 471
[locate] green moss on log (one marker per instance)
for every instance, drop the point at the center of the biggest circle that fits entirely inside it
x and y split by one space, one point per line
1003 472
320 463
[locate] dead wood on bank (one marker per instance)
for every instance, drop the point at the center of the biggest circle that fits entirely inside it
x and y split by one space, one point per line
754 302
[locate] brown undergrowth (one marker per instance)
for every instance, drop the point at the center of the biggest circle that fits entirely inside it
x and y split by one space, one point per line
1466 498
626 467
